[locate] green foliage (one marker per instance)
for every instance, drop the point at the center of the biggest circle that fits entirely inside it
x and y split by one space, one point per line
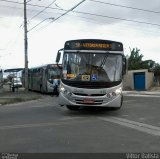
157 69
135 61
148 64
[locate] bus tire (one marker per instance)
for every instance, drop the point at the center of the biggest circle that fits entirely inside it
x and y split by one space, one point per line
70 107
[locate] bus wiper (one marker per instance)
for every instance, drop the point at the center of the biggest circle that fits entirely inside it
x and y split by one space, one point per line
104 60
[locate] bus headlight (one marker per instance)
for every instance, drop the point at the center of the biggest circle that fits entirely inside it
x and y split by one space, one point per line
118 91
65 91
62 89
114 93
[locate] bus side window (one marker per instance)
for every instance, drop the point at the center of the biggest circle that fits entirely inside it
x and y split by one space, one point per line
124 67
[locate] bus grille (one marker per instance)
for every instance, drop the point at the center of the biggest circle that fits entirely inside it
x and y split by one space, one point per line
90 85
83 94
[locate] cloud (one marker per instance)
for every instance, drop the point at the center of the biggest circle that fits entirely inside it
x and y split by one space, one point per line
45 40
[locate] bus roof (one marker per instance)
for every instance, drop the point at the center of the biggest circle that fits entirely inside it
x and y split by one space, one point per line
45 66
14 70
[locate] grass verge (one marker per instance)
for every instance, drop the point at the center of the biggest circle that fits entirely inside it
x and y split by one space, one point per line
4 101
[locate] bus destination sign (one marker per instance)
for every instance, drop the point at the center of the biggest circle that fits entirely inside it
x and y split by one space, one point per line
93 45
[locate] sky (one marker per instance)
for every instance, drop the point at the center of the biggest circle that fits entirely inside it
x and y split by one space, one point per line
51 22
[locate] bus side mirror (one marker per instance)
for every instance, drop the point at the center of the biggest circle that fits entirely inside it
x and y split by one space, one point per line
58 57
124 68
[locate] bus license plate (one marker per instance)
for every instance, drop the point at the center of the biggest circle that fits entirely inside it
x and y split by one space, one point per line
88 100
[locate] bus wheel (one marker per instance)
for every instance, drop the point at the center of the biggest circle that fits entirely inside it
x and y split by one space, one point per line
73 107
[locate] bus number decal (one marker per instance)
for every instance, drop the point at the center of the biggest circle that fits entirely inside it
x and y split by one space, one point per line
70 75
85 77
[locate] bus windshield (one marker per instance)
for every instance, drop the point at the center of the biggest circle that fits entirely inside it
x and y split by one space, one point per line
98 67
53 73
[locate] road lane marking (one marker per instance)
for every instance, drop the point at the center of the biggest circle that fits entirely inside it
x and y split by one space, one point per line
54 123
126 101
71 118
26 125
149 129
141 95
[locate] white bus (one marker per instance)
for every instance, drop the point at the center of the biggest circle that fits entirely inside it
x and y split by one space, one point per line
92 73
41 78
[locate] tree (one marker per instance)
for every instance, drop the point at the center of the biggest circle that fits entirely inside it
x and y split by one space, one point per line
148 64
135 59
157 69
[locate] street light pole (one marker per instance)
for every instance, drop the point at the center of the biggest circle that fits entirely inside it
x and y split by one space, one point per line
25 47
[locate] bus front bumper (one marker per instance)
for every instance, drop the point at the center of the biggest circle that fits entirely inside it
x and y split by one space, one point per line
100 101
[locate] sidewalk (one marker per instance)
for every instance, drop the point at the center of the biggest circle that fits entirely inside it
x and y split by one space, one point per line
153 91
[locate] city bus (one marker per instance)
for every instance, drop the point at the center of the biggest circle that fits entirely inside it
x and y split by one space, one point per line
92 73
41 78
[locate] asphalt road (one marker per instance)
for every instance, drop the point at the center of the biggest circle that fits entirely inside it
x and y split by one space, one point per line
43 126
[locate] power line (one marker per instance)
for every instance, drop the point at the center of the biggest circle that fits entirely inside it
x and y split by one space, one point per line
62 9
42 11
29 4
13 7
69 10
40 23
113 4
66 12
123 19
117 5
11 1
87 13
104 16
33 5
120 26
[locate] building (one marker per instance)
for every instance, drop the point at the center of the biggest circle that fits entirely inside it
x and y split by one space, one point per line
138 80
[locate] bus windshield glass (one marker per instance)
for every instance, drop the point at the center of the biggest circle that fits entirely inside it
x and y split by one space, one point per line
98 67
53 73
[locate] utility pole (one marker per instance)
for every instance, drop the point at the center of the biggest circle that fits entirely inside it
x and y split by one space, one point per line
25 47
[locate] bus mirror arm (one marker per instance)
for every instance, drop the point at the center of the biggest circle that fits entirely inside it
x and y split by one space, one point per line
58 58
60 67
58 55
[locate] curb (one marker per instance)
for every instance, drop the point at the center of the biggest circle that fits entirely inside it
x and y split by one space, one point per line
141 93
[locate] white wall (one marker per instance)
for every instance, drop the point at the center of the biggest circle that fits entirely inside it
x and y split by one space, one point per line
129 79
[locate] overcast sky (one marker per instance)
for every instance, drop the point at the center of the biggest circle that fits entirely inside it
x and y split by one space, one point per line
135 23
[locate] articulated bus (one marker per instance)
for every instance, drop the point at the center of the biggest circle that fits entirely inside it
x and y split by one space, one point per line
41 78
92 73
